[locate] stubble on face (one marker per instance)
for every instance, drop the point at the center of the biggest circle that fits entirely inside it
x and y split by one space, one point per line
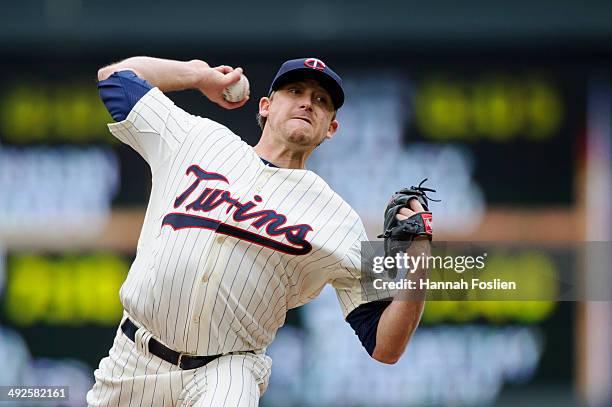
299 120
298 133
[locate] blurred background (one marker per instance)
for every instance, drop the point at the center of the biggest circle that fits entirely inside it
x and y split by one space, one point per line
506 108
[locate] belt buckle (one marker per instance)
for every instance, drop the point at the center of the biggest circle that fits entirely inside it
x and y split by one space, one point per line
180 359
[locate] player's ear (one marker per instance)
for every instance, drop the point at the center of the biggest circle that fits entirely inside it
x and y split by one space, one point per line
332 129
264 106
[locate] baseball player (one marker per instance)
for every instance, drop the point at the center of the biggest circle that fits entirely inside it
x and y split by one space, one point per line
233 237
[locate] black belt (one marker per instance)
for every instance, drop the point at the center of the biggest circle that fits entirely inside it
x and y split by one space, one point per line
181 360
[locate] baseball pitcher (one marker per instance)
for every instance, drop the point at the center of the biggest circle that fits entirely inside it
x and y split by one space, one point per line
235 235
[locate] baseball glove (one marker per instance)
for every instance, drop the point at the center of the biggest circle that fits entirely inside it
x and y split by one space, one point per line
419 224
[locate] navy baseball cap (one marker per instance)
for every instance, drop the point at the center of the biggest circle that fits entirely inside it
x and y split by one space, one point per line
298 69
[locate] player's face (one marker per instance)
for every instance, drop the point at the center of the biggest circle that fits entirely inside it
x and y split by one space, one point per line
302 113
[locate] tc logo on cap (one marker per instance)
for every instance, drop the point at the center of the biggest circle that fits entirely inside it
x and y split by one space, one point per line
315 63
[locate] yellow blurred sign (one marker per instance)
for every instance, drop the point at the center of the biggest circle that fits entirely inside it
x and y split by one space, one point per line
497 108
535 276
42 113
68 290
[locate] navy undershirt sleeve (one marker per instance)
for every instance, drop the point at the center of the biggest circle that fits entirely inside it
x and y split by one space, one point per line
121 91
364 321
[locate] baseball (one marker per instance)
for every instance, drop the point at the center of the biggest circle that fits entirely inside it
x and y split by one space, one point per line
238 91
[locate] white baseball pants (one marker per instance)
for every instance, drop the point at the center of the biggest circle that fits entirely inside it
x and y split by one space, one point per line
130 376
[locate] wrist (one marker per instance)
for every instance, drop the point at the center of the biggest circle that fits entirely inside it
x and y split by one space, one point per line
420 245
200 72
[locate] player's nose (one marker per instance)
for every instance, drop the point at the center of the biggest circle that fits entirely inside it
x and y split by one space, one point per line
306 106
305 100
306 103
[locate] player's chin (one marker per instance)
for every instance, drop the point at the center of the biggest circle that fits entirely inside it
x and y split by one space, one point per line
303 138
301 135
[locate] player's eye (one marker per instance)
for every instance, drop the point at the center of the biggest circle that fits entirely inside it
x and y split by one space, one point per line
323 101
295 91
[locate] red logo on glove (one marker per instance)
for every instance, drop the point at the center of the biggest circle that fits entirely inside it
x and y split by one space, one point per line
428 222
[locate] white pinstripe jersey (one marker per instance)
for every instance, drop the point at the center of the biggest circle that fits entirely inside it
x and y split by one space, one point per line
229 244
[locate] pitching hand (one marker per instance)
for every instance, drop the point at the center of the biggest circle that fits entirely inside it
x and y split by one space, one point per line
218 78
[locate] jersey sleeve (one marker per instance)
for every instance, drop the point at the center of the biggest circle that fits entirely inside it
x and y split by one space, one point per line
155 127
121 91
354 288
364 320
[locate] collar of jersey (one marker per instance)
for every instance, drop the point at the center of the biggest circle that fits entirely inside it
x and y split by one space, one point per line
276 168
268 163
